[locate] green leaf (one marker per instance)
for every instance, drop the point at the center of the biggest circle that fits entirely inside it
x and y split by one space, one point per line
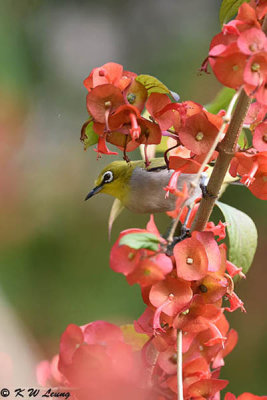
242 236
221 101
243 140
229 9
140 240
152 84
88 135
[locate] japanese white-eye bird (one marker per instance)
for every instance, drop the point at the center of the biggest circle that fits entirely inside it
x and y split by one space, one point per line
140 188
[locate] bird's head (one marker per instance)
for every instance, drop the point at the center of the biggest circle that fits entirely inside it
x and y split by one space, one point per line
114 180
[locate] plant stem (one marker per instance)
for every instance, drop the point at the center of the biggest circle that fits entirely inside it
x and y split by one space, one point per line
264 25
175 223
226 152
180 395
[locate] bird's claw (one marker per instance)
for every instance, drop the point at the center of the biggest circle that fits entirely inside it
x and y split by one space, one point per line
203 183
205 192
126 158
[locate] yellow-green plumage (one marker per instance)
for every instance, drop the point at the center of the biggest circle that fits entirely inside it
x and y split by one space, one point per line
122 172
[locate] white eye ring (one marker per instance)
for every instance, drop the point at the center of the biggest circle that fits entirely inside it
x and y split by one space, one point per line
108 177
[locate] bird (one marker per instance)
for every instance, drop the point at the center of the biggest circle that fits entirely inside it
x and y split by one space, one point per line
140 189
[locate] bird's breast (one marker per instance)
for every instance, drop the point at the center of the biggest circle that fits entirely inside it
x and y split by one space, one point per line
147 194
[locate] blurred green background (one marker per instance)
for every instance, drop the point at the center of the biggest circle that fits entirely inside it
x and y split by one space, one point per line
54 248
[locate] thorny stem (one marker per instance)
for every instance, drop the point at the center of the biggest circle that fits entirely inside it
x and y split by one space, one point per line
179 365
227 150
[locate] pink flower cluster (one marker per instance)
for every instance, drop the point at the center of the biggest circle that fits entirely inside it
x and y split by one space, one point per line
95 363
183 292
238 55
115 101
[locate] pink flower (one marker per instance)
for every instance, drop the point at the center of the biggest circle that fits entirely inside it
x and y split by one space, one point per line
170 296
191 259
252 41
260 137
96 361
198 133
102 101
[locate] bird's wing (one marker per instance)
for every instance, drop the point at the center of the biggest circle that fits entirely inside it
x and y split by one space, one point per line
155 164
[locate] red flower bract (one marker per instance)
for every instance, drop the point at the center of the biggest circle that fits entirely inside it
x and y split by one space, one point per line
71 339
155 106
255 72
253 169
261 94
191 259
101 332
198 134
260 137
102 147
206 388
102 100
229 70
248 18
108 73
150 270
211 248
171 296
252 41
219 45
255 114
184 165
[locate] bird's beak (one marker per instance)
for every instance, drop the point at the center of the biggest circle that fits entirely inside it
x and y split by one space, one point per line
93 192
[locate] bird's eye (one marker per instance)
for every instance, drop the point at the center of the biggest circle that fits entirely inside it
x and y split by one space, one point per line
108 177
